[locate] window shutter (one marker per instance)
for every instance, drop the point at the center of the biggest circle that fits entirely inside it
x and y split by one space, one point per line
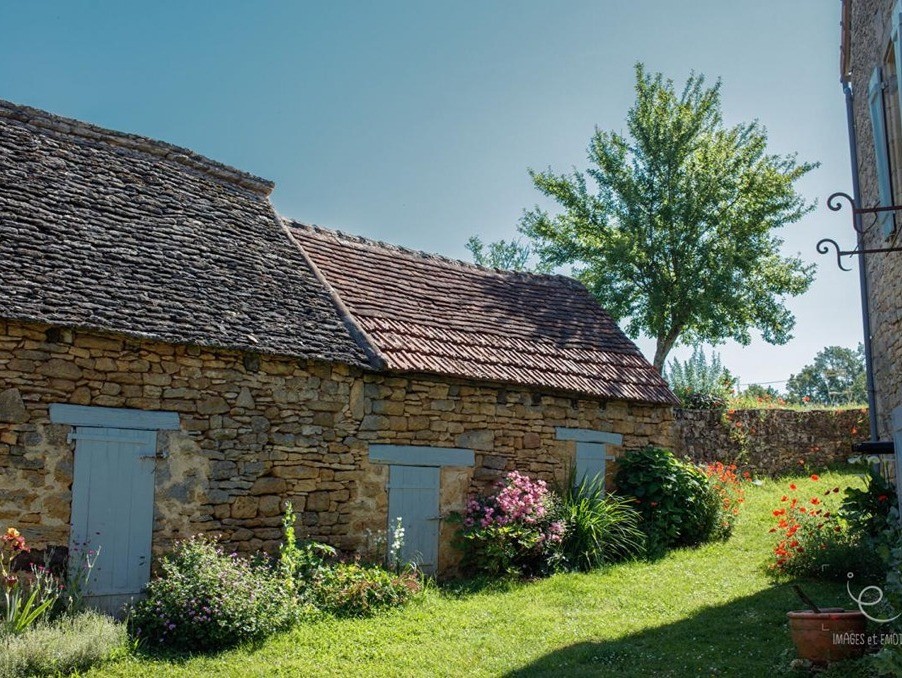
878 122
889 225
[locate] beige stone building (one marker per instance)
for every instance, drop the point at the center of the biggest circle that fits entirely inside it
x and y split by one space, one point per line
177 359
871 68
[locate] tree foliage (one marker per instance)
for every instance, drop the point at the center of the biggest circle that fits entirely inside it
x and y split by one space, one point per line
836 377
508 256
672 226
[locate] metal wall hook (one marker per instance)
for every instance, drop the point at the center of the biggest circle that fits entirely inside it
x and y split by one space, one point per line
823 247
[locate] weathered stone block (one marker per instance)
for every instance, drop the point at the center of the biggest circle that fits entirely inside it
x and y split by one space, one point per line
269 485
318 501
245 399
12 408
295 471
214 405
244 507
476 440
532 440
270 505
373 422
60 369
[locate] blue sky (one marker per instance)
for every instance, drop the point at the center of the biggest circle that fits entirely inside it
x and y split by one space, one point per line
415 122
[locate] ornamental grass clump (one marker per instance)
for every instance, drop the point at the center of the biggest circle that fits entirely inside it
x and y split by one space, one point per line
206 599
814 540
516 531
601 528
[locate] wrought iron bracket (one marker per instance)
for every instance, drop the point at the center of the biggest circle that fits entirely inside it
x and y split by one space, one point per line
834 204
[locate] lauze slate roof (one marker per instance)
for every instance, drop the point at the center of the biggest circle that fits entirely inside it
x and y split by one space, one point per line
116 232
423 313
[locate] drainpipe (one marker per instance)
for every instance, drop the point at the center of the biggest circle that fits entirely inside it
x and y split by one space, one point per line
862 270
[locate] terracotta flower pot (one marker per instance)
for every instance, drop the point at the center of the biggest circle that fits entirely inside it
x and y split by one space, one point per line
831 635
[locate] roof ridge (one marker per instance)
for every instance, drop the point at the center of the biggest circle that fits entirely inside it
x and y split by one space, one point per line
184 156
430 256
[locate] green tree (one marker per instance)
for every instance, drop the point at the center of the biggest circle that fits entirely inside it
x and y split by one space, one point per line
836 377
676 237
508 256
766 394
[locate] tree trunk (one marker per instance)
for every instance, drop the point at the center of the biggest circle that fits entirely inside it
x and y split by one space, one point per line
662 348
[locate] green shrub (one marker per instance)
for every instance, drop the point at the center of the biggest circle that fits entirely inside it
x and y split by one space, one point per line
356 590
600 529
68 644
868 510
206 599
699 384
888 662
678 505
342 589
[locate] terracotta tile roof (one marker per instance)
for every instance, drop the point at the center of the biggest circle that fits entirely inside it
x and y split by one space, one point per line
424 313
116 232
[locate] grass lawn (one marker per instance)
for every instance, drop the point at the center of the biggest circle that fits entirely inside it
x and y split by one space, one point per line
702 611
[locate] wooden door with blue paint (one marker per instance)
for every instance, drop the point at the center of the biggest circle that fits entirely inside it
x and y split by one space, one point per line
112 511
413 495
590 463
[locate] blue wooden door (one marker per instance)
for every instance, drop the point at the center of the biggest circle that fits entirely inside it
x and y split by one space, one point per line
112 510
413 494
590 462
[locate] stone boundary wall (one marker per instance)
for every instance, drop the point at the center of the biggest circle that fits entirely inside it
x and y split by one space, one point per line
770 442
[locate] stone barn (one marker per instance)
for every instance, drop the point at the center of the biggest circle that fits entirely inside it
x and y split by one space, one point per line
177 359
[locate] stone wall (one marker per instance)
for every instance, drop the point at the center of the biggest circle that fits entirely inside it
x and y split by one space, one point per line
871 33
771 442
258 430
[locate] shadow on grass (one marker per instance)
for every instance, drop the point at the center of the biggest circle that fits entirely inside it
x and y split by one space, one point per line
748 637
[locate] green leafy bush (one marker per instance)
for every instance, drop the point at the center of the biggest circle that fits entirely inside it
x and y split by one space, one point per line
888 662
700 384
868 510
342 589
678 505
68 644
357 590
516 531
206 599
601 529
